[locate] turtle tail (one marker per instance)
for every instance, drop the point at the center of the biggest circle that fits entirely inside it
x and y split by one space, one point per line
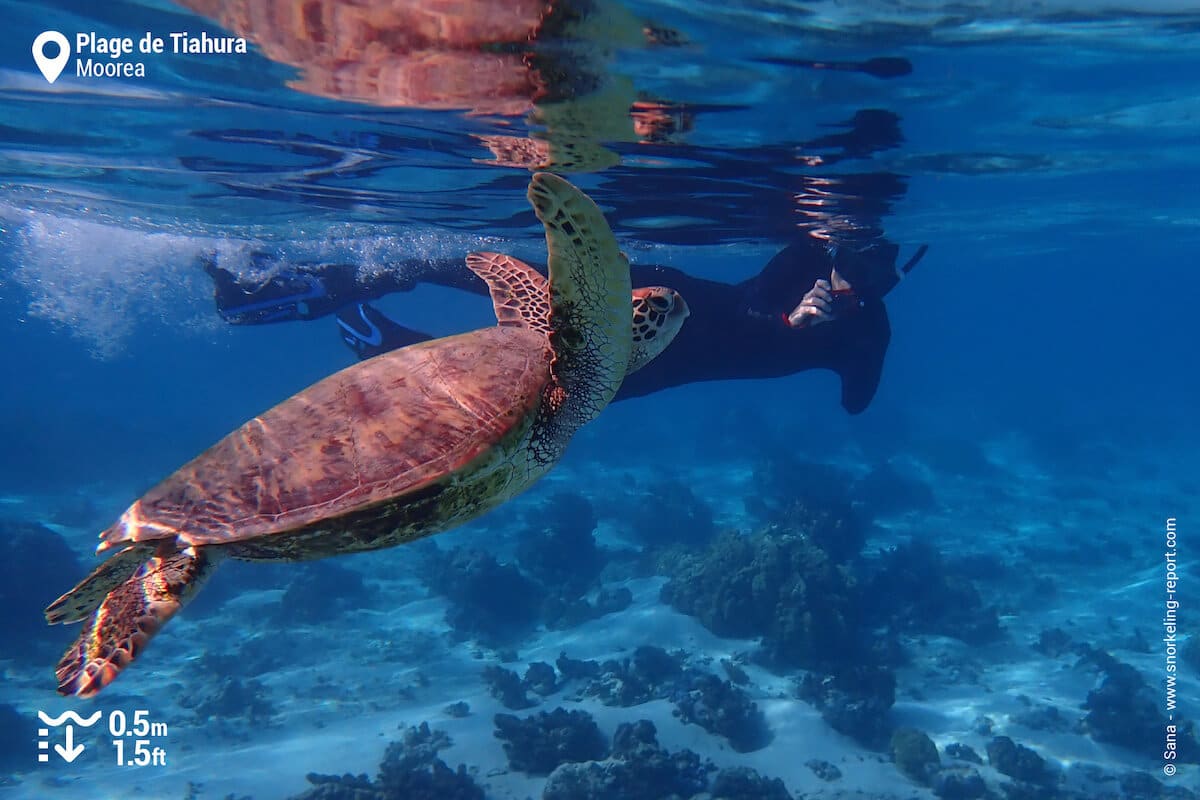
129 615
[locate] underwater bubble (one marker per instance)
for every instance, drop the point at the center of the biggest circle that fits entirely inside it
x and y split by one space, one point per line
98 280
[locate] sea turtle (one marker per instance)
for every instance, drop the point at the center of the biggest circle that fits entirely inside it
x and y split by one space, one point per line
402 446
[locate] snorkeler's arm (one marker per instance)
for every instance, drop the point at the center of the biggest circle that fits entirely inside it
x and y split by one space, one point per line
859 356
789 274
451 273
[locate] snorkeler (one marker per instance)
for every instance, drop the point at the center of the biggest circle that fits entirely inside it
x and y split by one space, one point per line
811 307
291 292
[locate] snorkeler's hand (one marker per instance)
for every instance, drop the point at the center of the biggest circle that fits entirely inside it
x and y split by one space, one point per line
814 308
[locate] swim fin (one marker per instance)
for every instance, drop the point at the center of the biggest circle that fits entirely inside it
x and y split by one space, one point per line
369 332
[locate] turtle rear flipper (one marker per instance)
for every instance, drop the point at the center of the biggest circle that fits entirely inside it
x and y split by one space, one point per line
128 618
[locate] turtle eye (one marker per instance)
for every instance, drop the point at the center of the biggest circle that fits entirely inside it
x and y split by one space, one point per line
661 303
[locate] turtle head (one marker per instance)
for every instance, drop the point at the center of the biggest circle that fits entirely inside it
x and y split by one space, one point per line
658 314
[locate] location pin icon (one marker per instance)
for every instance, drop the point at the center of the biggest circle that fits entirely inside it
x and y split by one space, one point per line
51 67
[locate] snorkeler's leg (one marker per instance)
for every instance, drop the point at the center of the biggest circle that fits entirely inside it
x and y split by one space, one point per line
272 292
859 356
453 274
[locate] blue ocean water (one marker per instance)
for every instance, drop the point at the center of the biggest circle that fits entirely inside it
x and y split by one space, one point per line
971 566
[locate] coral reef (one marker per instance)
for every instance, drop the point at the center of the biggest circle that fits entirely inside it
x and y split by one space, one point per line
963 752
560 551
915 754
655 665
856 701
540 677
233 699
1053 642
266 652
321 591
700 698
744 783
916 591
337 787
512 690
652 673
617 683
539 743
561 611
958 783
667 512
559 564
411 770
1124 710
780 477
640 769
492 602
457 710
1018 761
507 687
1039 717
734 672
780 587
1143 786
34 563
810 500
576 669
721 708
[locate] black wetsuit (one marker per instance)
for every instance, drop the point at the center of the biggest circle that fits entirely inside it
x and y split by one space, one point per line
734 331
740 331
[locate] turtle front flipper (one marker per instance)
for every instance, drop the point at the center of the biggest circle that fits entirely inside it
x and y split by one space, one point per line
520 295
129 616
591 316
521 299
